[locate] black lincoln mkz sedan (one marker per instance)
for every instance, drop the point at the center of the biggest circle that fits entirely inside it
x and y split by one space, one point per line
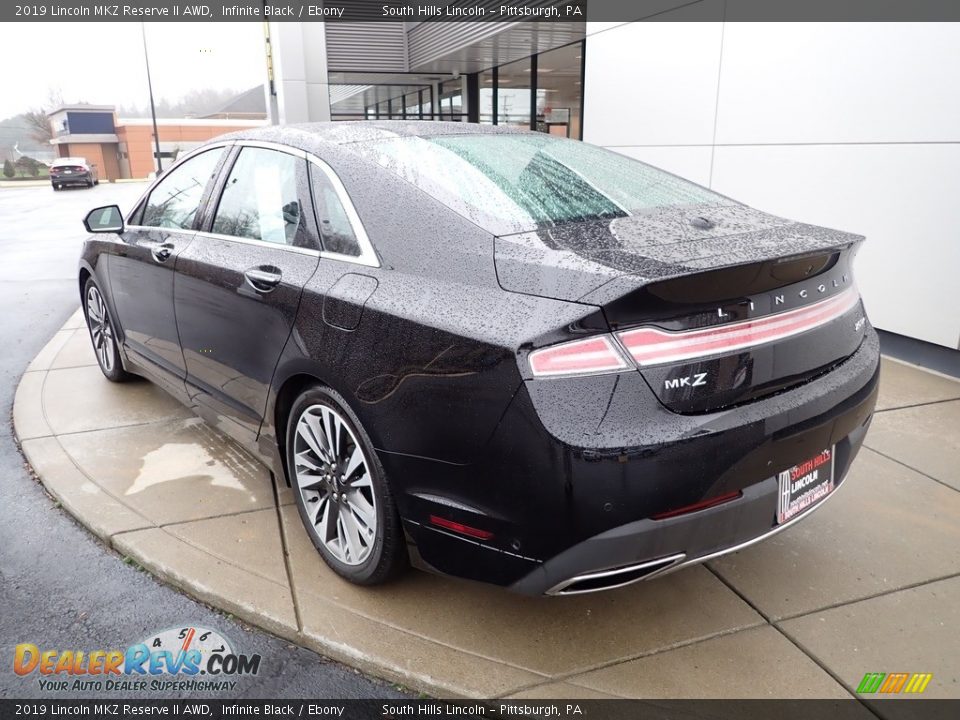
498 354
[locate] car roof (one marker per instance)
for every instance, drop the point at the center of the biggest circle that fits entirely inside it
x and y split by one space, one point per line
308 136
70 161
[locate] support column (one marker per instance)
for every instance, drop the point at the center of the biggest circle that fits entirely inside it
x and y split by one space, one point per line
472 97
300 72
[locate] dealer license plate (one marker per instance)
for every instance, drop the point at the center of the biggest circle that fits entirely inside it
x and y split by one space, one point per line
804 485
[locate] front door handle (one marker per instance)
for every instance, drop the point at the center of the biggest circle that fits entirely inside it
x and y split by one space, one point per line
263 279
162 252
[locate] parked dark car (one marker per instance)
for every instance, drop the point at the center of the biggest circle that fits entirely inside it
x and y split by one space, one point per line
73 171
502 355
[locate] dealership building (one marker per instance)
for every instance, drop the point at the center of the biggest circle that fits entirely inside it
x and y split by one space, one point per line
122 148
849 125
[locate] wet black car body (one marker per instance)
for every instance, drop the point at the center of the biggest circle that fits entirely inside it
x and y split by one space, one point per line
717 353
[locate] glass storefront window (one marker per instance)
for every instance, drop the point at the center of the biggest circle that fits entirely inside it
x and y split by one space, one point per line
502 94
486 97
559 91
451 101
513 94
354 97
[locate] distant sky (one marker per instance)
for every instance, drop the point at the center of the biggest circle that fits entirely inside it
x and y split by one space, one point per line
102 63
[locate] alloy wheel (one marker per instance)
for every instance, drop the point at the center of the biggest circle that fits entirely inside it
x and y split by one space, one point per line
100 330
333 479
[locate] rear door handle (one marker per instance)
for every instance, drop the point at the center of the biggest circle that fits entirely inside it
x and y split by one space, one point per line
263 279
162 252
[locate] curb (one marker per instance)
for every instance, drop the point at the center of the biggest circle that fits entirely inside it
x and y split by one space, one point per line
113 524
23 183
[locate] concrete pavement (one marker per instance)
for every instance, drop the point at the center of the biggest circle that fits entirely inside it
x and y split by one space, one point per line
870 583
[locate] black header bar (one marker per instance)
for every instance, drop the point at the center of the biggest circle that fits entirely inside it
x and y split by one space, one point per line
481 10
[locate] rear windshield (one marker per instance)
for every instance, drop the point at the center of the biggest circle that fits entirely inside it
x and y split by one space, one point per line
510 183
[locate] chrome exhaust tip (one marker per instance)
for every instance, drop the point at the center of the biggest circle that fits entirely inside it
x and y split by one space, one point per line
614 577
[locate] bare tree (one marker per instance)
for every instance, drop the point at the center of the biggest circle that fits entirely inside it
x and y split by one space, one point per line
38 124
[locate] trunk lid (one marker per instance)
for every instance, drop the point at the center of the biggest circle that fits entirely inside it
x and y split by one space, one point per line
711 272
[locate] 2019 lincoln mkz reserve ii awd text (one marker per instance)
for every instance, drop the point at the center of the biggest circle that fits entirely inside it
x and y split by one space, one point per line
498 354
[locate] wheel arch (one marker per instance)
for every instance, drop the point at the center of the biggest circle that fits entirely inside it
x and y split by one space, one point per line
86 272
288 391
94 266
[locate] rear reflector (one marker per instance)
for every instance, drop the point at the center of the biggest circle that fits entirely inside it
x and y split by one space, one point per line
702 505
460 528
581 357
652 346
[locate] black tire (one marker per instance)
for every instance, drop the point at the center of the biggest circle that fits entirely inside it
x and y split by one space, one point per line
56 188
386 555
108 356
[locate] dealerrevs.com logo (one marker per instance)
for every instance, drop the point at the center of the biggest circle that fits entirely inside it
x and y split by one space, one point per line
178 659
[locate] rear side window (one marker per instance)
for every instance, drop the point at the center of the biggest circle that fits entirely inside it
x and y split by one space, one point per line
175 200
262 199
336 231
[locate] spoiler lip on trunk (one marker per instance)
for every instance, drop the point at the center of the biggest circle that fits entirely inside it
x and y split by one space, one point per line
596 262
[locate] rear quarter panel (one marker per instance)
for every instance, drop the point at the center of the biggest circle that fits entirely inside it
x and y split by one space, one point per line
432 364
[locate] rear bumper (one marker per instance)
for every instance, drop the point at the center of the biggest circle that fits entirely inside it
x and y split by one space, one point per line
648 548
74 179
568 488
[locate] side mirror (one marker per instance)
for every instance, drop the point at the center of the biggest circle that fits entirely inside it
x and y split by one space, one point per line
106 219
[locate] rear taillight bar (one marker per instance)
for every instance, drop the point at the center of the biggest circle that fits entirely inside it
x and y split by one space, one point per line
652 346
647 346
594 356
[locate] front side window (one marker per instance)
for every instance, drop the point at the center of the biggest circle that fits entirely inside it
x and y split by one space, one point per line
175 200
261 199
336 231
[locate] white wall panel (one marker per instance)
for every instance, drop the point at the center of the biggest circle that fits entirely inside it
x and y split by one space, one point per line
597 27
849 125
318 102
692 163
652 84
292 101
900 196
839 82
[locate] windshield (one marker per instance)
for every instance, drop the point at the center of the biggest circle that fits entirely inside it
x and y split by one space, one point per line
515 182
